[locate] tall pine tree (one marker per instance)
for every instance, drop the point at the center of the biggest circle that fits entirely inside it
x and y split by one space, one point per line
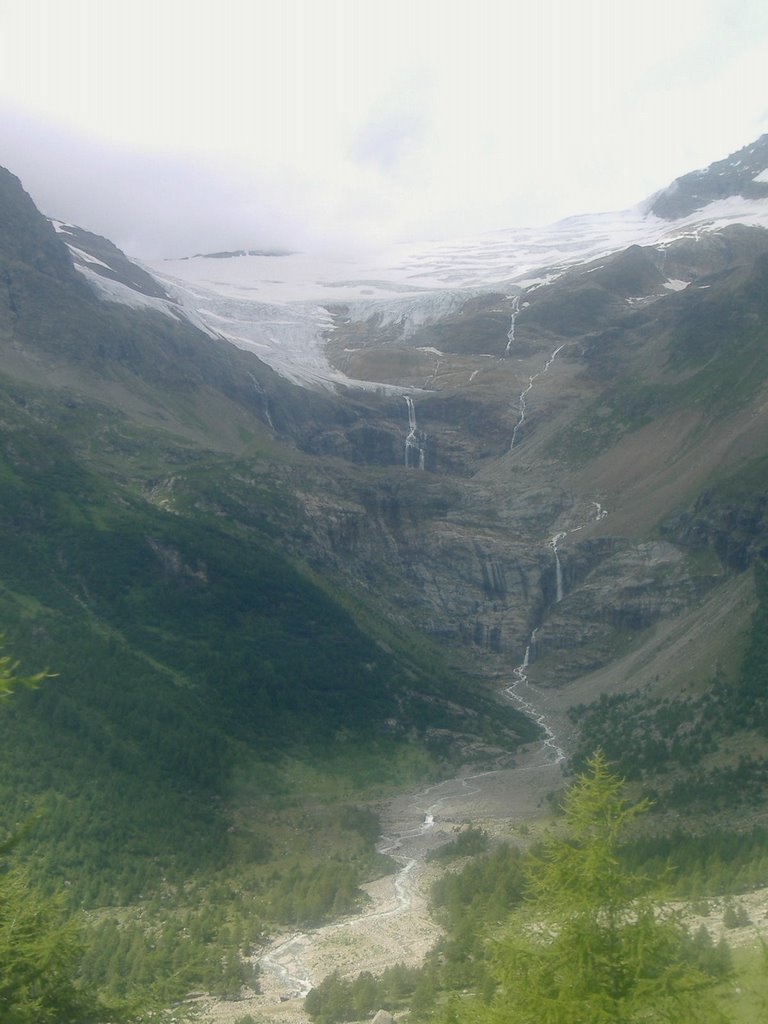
590 945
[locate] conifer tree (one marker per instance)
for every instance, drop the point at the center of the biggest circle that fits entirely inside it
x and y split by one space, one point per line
39 944
590 945
10 679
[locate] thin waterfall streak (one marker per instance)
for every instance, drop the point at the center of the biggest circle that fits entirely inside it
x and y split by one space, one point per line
553 357
531 381
514 692
415 442
558 565
511 332
521 417
431 381
600 513
259 389
410 440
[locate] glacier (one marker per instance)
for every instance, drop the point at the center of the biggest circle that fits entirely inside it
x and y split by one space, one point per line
284 307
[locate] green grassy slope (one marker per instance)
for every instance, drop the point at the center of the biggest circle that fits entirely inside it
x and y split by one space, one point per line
184 653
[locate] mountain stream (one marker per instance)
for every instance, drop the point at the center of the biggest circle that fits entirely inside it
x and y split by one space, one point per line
514 312
396 926
524 393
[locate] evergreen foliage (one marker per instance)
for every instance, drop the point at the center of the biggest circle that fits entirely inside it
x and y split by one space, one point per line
309 897
468 843
40 950
10 678
185 657
749 704
667 741
337 999
39 959
579 930
589 944
171 950
712 863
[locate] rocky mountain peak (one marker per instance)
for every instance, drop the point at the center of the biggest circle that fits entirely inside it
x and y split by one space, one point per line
94 254
27 237
743 173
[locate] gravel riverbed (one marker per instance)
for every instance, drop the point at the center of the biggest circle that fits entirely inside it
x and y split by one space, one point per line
396 927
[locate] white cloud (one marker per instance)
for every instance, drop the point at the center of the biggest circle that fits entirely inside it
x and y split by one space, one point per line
248 122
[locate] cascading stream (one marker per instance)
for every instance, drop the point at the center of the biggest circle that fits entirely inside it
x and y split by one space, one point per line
558 566
600 513
520 674
287 960
524 393
415 441
554 753
512 320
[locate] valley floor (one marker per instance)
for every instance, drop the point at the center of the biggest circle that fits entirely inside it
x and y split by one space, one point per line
396 926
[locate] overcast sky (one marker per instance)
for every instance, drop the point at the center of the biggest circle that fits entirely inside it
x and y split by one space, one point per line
178 126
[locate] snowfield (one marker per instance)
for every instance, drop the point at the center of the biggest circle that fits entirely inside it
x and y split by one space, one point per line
282 307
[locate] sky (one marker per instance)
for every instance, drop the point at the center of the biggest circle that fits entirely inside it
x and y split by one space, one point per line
182 126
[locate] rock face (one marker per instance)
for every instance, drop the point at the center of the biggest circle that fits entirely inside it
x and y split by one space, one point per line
736 530
28 240
454 567
600 521
548 473
100 256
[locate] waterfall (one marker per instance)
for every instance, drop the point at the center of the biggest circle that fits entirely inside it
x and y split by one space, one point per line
527 388
514 694
511 332
558 567
520 674
415 441
521 416
258 387
600 513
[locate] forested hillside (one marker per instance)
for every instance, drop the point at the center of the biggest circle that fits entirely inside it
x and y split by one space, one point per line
208 691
